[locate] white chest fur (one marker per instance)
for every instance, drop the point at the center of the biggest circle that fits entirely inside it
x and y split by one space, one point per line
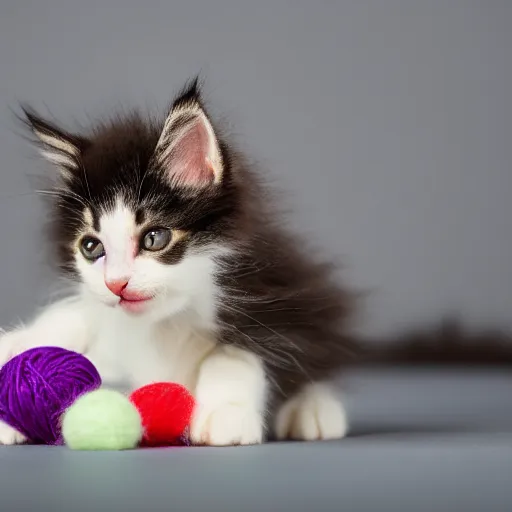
131 352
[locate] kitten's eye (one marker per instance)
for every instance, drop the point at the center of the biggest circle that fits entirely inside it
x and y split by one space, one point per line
91 248
156 239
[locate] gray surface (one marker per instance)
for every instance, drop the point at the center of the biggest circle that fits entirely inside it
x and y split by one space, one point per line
414 475
427 441
389 122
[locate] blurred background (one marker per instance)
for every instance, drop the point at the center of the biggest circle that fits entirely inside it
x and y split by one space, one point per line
389 125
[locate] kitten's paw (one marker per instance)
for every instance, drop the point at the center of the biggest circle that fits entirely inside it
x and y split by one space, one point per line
12 344
10 436
227 424
313 414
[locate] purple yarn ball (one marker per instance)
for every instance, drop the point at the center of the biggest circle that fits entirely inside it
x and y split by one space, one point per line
38 385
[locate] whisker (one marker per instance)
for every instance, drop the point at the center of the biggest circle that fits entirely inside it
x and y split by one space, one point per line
261 324
62 193
276 353
141 181
84 172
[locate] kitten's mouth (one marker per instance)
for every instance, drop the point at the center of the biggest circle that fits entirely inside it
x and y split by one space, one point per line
134 303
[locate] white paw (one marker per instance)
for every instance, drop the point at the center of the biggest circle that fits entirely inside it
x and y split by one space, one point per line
9 435
12 344
227 424
313 414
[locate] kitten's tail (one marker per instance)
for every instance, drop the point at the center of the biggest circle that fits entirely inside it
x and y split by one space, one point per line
447 344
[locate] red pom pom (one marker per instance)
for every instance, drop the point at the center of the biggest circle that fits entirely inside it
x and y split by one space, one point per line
165 409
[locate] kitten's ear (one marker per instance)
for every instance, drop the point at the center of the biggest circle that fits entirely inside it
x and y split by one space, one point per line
58 146
188 150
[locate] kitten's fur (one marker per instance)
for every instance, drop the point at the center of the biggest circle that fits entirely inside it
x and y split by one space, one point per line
240 312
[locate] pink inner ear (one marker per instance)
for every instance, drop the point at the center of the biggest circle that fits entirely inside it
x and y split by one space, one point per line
188 161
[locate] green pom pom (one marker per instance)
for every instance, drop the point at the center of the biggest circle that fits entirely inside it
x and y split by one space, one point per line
102 420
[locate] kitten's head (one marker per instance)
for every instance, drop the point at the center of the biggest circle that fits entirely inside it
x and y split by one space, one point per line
142 209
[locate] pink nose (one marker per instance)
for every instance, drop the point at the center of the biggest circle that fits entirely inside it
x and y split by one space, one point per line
116 286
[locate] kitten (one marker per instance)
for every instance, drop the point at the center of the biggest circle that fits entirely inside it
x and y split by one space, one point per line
183 273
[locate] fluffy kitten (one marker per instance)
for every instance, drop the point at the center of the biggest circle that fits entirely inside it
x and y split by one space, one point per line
183 274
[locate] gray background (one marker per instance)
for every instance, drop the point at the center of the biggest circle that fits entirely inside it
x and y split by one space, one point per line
388 122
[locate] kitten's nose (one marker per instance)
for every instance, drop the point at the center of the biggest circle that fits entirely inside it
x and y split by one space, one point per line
116 286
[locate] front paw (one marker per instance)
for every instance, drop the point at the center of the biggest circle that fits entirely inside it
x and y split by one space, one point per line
227 424
12 344
10 436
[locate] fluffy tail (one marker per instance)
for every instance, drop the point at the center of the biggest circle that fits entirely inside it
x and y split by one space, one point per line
448 344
